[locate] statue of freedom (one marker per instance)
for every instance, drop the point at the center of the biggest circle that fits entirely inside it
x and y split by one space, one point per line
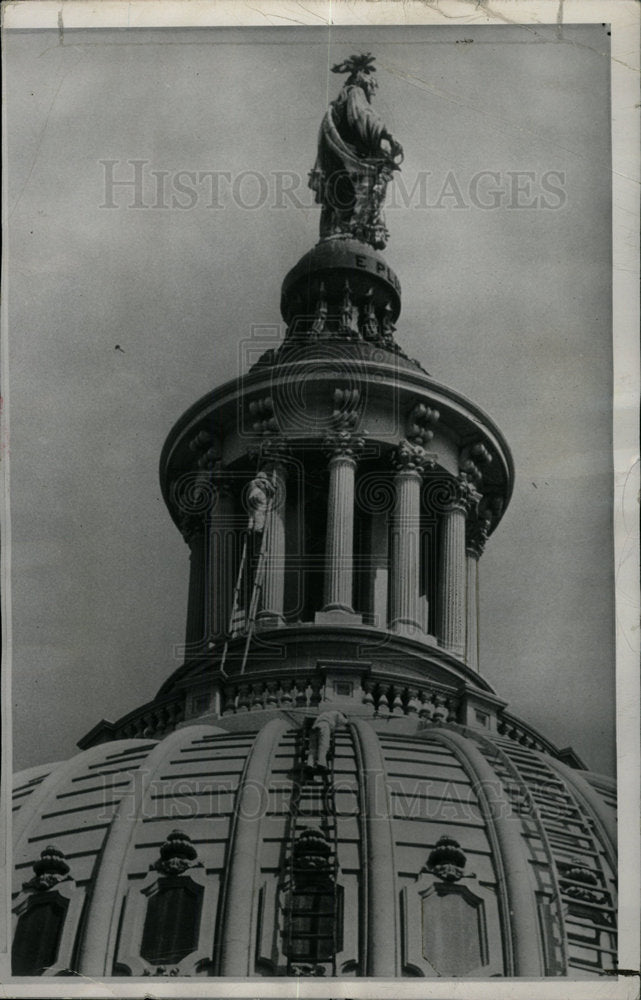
355 160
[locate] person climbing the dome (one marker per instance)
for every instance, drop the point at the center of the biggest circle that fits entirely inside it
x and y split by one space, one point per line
259 496
320 739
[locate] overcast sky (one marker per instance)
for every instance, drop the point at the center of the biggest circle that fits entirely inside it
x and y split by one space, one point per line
509 305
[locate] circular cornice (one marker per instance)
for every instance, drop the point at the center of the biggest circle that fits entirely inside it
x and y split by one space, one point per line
221 406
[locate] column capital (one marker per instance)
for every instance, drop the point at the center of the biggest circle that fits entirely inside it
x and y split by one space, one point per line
344 443
476 534
462 496
409 457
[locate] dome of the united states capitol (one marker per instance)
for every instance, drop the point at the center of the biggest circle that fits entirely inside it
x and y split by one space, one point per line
327 786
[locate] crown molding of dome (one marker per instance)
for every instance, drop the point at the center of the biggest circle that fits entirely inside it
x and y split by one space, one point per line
458 413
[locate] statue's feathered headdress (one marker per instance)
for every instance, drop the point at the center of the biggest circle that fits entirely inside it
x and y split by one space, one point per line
355 65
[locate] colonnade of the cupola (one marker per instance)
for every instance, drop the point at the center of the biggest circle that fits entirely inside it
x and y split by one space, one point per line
336 487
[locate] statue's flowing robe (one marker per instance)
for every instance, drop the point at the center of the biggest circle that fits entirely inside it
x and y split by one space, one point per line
351 172
349 140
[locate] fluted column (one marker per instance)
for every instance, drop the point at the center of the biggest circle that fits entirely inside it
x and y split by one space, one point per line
272 600
410 461
193 528
339 539
476 537
224 535
472 611
452 581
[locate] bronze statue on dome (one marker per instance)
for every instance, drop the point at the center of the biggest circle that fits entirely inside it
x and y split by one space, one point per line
356 158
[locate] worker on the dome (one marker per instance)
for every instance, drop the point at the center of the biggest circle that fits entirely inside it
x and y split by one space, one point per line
259 495
320 740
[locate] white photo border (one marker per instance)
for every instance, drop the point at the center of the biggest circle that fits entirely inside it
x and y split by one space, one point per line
624 18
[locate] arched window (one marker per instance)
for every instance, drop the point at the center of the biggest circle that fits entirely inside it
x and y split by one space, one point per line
47 912
315 922
38 934
454 932
169 918
313 906
450 928
172 921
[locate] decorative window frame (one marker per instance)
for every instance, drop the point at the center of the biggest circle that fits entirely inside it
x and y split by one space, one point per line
270 958
68 890
412 897
128 960
339 897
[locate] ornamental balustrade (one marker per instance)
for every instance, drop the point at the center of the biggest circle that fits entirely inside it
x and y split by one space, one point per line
517 731
381 698
153 720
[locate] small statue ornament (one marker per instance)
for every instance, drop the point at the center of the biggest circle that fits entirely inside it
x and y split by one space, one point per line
387 327
346 324
319 325
369 323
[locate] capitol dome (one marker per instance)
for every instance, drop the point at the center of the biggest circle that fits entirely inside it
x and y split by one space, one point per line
327 785
450 851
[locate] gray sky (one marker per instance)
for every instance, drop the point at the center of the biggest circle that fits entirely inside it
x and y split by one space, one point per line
510 305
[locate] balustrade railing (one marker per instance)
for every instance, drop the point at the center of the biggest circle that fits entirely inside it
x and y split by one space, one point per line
515 730
423 701
378 698
152 720
383 699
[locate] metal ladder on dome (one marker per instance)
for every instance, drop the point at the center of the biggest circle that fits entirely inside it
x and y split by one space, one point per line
515 787
565 832
570 833
257 587
312 807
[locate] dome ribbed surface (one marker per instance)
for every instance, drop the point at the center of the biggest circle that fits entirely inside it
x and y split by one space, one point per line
436 790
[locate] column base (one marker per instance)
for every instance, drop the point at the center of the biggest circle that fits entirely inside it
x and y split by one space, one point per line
269 619
337 616
457 651
405 626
